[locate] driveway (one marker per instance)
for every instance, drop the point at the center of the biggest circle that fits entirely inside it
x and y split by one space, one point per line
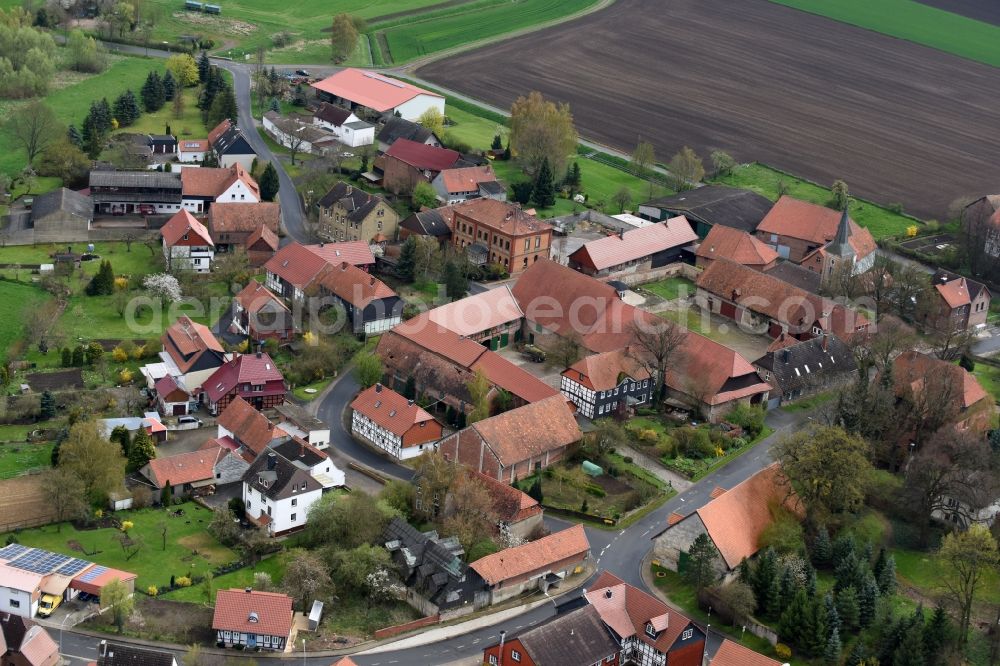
548 374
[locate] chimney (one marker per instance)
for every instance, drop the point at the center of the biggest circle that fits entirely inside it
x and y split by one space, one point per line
608 593
378 388
826 342
343 265
409 402
621 234
321 243
784 356
503 637
272 460
104 648
248 590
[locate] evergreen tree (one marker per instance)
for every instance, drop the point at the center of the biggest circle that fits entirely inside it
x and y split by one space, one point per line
576 178
169 86
461 419
789 625
121 435
544 191
773 601
92 137
843 546
449 415
810 583
866 554
937 634
167 496
536 491
102 114
103 283
787 587
847 608
275 105
744 574
152 93
867 601
213 86
910 651
506 151
223 107
126 109
831 654
879 563
74 136
168 132
67 357
48 406
406 265
858 654
497 143
764 574
204 67
822 549
702 554
456 284
887 577
814 633
78 357
142 450
833 622
269 183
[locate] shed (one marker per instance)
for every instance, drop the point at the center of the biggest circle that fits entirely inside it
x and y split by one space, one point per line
120 500
590 469
315 615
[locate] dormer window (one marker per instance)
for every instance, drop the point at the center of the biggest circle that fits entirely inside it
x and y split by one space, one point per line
650 631
253 618
688 633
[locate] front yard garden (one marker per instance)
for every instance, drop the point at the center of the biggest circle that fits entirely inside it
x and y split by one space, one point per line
670 289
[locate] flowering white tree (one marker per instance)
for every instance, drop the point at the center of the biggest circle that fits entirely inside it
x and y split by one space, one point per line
163 286
382 586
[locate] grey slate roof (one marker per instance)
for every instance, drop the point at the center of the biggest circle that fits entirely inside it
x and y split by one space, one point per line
286 479
331 113
796 275
232 142
577 637
718 204
121 654
297 453
806 365
400 128
354 200
65 200
840 245
148 179
427 223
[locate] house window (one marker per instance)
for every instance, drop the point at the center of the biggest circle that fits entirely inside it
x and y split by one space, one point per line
527 244
650 631
295 501
14 603
293 517
493 660
688 633
515 655
538 242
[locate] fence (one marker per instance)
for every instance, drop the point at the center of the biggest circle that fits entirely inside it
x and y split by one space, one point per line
389 632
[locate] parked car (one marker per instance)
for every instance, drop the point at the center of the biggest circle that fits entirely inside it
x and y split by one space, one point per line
48 604
189 419
302 72
147 209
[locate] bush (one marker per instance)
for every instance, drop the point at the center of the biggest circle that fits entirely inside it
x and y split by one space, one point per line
694 442
595 490
152 591
748 417
183 581
280 39
647 436
782 651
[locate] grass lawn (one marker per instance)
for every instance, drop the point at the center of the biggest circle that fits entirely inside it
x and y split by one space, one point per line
731 455
809 403
188 126
318 50
241 578
764 180
189 546
15 301
923 570
20 432
915 22
989 377
671 288
20 457
317 388
445 29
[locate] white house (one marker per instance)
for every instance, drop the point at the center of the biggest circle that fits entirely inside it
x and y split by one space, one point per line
358 88
317 463
187 243
347 127
300 423
20 591
394 424
204 186
252 620
278 493
291 133
193 150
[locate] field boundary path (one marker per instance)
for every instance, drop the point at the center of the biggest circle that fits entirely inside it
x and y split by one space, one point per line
676 481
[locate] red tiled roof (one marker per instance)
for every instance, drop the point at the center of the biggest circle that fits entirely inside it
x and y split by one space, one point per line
511 378
212 181
296 265
95 584
511 504
530 430
635 244
234 610
353 285
421 156
390 410
182 224
192 145
705 367
190 339
601 372
182 468
357 253
911 368
734 654
955 293
467 179
736 519
534 556
256 369
255 296
249 426
501 216
481 312
219 130
167 388
264 234
244 217
814 224
37 647
370 89
627 610
735 245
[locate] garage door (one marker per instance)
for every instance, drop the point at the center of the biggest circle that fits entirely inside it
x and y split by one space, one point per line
729 310
180 409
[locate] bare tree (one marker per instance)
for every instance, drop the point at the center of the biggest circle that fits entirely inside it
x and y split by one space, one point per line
686 168
565 351
876 346
67 495
643 159
656 346
294 145
34 126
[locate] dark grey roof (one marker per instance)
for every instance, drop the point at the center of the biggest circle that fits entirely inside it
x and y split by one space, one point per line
940 277
840 245
355 201
296 452
358 124
162 139
808 364
796 275
400 128
121 654
492 187
427 223
577 637
331 113
148 179
64 200
232 142
286 479
432 567
300 417
717 204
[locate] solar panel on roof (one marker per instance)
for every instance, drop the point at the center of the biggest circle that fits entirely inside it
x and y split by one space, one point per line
89 576
73 567
13 550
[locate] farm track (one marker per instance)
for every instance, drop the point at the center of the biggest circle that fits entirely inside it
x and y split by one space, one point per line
821 99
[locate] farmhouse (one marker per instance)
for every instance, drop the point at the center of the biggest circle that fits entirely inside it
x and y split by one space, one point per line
429 223
568 639
253 377
762 302
706 207
231 224
400 128
492 317
317 463
348 213
297 422
277 493
392 423
135 192
251 619
817 237
261 315
203 186
520 515
187 245
734 521
437 580
797 369
496 232
124 654
407 163
193 150
346 127
613 382
243 429
513 444
230 146
26 643
373 94
186 472
442 362
952 389
372 307
634 251
957 302
457 185
738 246
294 132
190 354
295 267
536 565
61 216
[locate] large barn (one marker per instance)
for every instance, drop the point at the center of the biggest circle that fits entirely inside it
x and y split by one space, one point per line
361 89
